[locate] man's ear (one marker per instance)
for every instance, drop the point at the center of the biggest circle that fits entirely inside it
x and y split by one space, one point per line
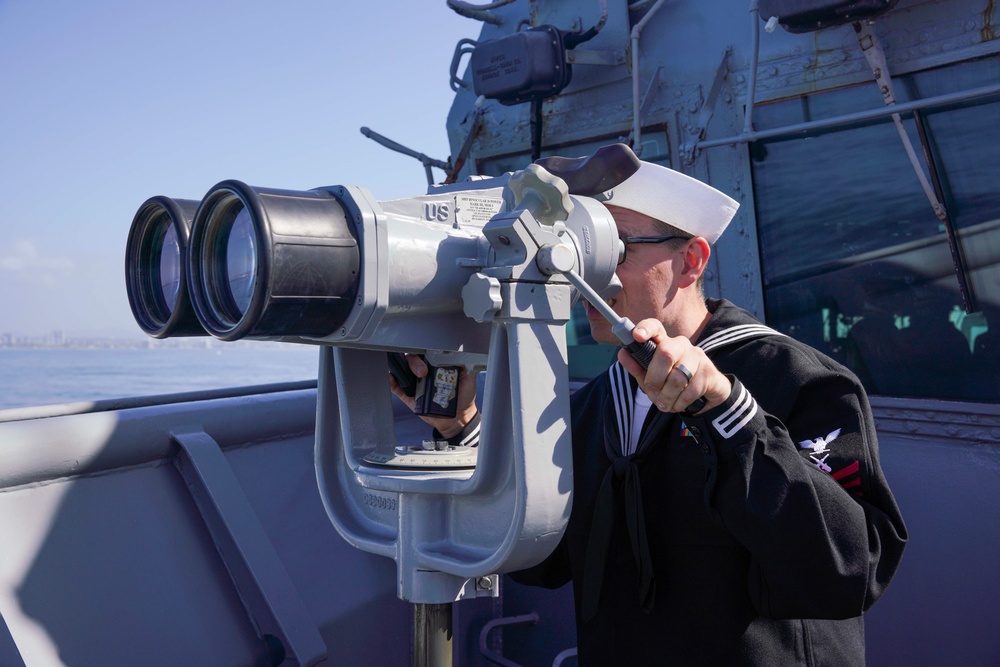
696 256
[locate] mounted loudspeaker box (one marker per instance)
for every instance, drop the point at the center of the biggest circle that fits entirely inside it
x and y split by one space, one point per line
527 65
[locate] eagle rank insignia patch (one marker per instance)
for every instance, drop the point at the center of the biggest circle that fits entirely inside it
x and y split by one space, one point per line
819 451
820 447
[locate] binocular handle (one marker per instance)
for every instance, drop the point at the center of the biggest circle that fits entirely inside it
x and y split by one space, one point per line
643 353
622 327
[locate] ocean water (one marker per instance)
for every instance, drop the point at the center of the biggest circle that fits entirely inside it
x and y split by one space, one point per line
31 377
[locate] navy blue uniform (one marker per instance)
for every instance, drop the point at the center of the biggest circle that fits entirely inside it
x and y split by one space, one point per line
756 533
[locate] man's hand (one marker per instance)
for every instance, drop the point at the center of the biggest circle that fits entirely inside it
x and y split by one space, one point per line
466 410
679 372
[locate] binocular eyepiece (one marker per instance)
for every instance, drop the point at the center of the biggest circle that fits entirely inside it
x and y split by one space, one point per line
333 265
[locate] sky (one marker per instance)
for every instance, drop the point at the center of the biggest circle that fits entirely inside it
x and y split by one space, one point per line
106 103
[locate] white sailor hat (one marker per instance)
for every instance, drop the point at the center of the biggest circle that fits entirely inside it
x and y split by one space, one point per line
674 198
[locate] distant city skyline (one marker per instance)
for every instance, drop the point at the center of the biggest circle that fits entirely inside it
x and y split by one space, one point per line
109 102
59 339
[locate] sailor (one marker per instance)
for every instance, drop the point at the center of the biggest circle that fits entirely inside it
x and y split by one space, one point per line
755 531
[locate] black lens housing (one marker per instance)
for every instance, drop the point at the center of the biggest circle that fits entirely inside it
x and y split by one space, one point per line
307 263
143 270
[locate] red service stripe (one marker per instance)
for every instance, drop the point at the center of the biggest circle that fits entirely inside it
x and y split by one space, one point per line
849 470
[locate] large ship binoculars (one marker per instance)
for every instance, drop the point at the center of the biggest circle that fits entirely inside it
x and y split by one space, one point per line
335 266
478 273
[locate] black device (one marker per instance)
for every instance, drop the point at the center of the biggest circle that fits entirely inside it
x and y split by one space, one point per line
436 394
800 16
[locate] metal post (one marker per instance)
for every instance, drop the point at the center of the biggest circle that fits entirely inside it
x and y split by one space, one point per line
432 635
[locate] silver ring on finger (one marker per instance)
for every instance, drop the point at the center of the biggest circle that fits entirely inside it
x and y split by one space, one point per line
684 371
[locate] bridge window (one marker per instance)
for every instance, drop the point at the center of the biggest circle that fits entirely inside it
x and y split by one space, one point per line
856 263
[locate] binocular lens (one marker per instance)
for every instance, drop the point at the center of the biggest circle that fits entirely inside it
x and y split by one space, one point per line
241 260
229 257
169 266
155 265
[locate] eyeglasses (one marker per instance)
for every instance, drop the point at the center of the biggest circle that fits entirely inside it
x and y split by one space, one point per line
628 240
